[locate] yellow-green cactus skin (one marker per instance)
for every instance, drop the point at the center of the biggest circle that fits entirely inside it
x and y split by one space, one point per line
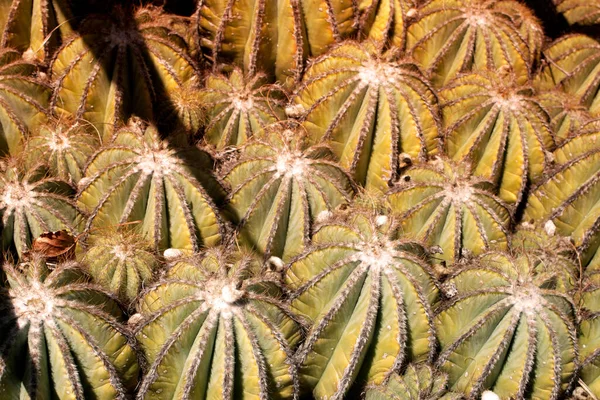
367 294
573 65
121 262
450 37
373 109
238 107
170 192
385 21
35 27
589 337
33 202
506 328
24 101
418 382
500 127
567 114
62 337
279 188
579 12
272 37
214 328
121 65
442 204
65 146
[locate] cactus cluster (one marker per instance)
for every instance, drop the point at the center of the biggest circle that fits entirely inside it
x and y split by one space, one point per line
300 199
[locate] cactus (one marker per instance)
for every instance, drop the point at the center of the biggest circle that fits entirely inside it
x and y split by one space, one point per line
505 327
441 204
65 146
279 188
61 336
170 191
121 263
375 110
500 127
454 36
573 66
579 12
418 382
589 339
368 296
214 327
385 21
238 107
121 65
23 101
567 115
31 203
271 37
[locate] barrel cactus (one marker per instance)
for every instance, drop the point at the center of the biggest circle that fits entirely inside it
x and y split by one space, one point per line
35 27
279 188
567 114
64 145
375 111
120 262
442 204
24 101
368 295
418 382
589 338
385 21
454 36
121 65
170 191
31 203
61 336
507 329
499 126
579 12
237 107
271 37
214 327
573 66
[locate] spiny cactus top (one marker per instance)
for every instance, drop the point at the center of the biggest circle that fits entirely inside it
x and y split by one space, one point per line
573 64
23 101
418 382
500 127
238 106
170 192
279 188
31 203
454 36
579 12
61 337
506 328
567 114
373 109
214 328
368 296
441 204
385 21
34 27
118 67
121 262
273 37
65 145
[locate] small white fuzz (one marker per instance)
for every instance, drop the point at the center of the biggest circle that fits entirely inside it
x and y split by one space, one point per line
550 228
32 304
276 262
295 110
411 13
489 395
376 73
381 220
291 165
170 254
323 216
242 103
135 319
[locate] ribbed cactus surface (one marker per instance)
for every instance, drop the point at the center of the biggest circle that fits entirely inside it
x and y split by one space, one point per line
589 338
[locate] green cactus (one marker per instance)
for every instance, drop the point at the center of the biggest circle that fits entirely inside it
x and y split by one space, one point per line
238 107
24 101
31 203
171 192
375 111
385 21
61 336
506 328
567 114
65 145
120 262
368 295
34 27
121 65
272 37
573 65
441 204
214 327
418 382
454 36
499 126
279 188
579 12
589 338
